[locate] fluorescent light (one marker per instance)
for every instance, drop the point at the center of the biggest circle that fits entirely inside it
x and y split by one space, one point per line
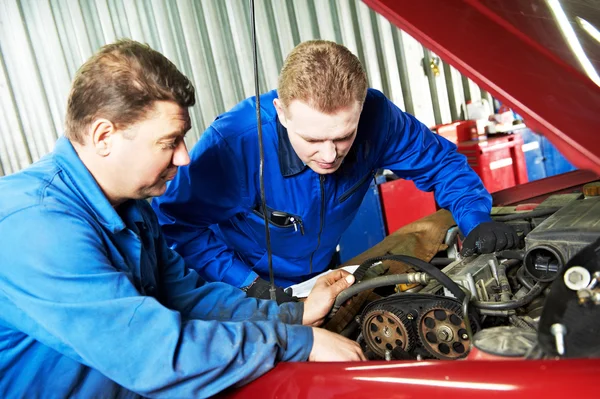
589 28
571 37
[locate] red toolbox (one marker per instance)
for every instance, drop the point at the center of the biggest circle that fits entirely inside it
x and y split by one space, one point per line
458 131
404 203
499 161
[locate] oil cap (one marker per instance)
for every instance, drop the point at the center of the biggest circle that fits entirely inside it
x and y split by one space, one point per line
591 189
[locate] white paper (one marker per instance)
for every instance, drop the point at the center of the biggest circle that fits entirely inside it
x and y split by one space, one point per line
301 290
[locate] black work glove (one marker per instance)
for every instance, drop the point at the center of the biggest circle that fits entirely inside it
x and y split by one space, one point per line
490 237
260 289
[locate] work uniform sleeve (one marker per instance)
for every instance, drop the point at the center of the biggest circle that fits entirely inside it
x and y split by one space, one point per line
57 272
414 152
211 189
183 293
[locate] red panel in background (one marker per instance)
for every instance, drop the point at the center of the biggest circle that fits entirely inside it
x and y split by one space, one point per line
404 203
483 39
538 190
499 162
458 131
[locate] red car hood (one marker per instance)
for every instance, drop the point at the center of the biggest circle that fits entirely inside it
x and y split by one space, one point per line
518 51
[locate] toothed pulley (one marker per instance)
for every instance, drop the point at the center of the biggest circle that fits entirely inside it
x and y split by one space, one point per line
442 331
385 328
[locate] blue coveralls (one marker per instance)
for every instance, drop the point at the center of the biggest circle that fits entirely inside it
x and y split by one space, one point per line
94 304
210 212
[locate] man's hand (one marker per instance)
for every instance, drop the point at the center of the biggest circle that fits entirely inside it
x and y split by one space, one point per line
322 296
490 237
260 289
331 347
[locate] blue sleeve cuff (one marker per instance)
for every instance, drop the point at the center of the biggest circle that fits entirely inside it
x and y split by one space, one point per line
251 277
291 312
469 221
238 274
299 343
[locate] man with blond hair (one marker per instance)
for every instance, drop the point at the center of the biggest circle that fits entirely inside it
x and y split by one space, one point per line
325 136
93 303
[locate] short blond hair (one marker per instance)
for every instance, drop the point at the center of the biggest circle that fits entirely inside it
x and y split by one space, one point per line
323 74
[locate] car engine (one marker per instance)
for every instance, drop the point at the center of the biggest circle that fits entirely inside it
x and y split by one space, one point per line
541 300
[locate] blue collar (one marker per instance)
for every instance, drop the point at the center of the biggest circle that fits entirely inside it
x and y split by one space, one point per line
83 183
289 162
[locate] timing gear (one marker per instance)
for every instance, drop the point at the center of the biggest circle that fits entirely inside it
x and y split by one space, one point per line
442 331
385 328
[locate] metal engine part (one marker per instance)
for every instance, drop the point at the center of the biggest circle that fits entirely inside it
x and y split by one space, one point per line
386 328
503 342
478 274
570 322
558 238
442 331
395 322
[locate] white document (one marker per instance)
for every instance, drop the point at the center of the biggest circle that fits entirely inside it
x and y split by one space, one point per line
301 290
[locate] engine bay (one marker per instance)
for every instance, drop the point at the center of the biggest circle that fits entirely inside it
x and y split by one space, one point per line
541 300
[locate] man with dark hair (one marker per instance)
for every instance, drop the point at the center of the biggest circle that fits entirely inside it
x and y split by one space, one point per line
93 303
325 136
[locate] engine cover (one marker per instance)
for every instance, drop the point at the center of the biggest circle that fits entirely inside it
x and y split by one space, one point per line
558 238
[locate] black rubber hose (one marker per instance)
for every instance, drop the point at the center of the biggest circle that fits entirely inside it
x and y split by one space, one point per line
522 279
422 266
526 215
527 298
508 254
375 282
441 261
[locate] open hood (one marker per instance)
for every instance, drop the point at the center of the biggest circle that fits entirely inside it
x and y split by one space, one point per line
541 57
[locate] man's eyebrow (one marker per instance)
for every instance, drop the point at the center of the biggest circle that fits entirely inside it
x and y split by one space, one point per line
347 135
309 138
176 134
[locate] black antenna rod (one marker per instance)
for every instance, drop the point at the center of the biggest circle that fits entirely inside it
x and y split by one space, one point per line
262 153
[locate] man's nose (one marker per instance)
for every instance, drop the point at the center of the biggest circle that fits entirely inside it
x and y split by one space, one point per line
328 152
181 157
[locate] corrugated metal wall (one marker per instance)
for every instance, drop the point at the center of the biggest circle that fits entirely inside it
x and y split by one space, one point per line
43 42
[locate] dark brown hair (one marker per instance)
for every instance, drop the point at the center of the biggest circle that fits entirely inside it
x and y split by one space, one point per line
323 74
121 82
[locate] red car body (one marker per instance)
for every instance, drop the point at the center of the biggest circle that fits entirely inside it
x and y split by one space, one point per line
515 50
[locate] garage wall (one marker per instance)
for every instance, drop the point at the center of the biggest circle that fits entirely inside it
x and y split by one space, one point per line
43 42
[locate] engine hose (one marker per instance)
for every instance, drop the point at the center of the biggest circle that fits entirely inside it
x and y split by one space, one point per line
522 279
421 265
526 215
465 310
441 261
375 282
527 298
503 280
508 254
424 267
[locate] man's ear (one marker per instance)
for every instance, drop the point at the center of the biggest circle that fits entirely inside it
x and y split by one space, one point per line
280 112
102 135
